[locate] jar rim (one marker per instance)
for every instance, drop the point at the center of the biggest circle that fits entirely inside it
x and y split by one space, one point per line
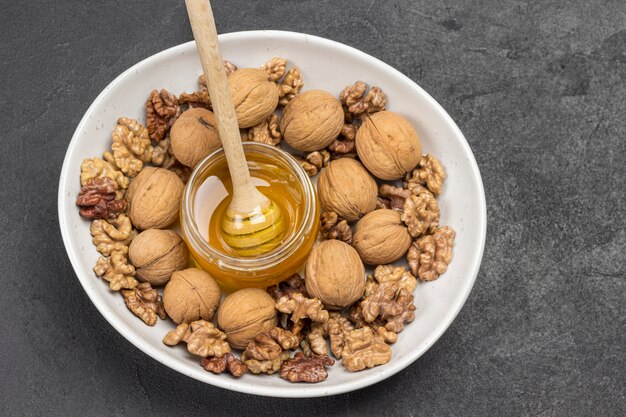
227 261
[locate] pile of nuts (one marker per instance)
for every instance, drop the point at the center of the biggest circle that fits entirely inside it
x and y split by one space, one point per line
377 192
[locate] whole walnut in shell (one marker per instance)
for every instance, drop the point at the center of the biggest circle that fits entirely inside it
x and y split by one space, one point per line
335 274
380 237
388 145
157 254
255 97
192 294
244 314
194 136
154 198
312 120
346 188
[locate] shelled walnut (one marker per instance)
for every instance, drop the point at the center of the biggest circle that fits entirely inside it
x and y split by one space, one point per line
265 353
112 235
275 68
430 255
391 197
266 132
162 110
97 199
364 349
290 87
293 284
332 227
421 212
301 307
313 162
131 146
228 362
429 172
301 368
145 303
344 144
117 271
202 338
357 102
92 168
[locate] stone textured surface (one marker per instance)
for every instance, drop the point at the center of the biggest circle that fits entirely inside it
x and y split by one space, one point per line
539 89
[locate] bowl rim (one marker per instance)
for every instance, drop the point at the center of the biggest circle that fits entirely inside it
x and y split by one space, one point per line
307 391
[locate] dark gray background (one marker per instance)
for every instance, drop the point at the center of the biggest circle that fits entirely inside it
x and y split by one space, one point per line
538 88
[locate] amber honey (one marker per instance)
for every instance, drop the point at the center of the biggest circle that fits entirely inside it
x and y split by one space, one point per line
207 196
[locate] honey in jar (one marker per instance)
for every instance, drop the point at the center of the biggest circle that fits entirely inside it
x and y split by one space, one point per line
207 195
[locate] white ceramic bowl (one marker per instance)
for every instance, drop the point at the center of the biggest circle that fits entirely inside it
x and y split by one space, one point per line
330 66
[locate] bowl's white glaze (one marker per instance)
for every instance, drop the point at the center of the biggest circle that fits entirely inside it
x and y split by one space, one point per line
326 65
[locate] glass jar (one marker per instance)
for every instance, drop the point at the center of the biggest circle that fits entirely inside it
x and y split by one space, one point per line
269 166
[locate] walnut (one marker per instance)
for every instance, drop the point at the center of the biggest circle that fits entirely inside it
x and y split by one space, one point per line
131 146
275 68
191 294
145 303
332 227
117 271
388 145
97 168
154 198
335 274
157 254
290 87
364 349
346 188
392 197
198 99
301 307
421 213
315 338
162 109
194 136
96 199
254 96
227 362
293 284
398 274
338 328
264 353
344 144
388 302
286 339
112 235
311 121
380 237
305 369
266 132
355 100
161 155
429 172
246 313
313 162
269 366
430 255
202 338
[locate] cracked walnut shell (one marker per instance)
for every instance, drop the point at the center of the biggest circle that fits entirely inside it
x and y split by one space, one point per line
312 120
380 237
191 294
364 349
154 198
388 145
157 254
335 274
246 313
430 255
346 188
145 303
194 136
255 97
